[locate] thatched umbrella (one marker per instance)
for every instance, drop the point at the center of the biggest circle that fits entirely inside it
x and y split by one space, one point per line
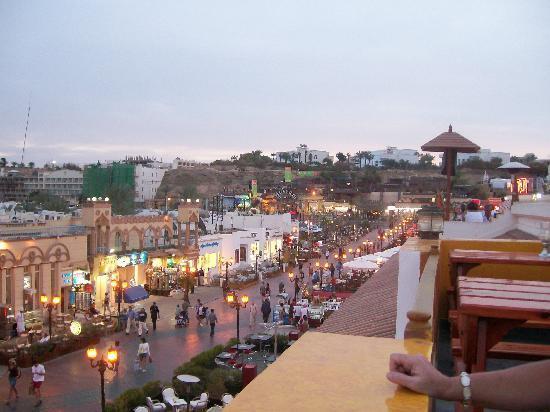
450 143
513 168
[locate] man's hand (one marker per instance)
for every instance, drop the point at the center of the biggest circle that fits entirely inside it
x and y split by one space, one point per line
417 373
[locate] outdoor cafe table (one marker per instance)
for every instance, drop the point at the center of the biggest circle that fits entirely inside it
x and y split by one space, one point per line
489 308
462 260
188 380
260 337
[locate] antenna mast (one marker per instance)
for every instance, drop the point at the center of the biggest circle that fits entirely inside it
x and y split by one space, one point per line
26 129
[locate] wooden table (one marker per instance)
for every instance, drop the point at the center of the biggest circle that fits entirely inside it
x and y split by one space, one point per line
489 308
462 260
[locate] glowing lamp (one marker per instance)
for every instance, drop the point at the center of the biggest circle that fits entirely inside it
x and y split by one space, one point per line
56 300
244 299
230 298
112 355
364 243
344 256
91 353
291 275
124 285
43 299
350 250
317 264
326 264
106 199
113 283
336 256
358 250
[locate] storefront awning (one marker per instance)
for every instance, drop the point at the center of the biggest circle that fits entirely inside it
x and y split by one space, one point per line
135 294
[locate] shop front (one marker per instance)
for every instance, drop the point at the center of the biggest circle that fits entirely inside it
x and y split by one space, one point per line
210 257
165 270
76 289
105 270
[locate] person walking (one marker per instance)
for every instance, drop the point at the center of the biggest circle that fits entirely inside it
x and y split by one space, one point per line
14 373
327 254
253 309
267 289
266 309
198 312
38 373
155 314
117 362
131 319
142 318
144 354
332 269
20 320
212 319
106 304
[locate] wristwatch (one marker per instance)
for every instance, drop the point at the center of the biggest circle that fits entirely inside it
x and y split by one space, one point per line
466 389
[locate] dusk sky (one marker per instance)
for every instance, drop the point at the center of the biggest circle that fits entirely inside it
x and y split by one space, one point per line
209 79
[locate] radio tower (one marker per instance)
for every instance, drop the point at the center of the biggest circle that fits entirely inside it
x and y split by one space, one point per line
26 129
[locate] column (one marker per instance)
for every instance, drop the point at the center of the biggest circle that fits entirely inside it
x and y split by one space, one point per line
17 288
187 233
45 281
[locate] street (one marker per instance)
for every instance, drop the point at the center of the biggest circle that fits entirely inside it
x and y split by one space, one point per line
72 384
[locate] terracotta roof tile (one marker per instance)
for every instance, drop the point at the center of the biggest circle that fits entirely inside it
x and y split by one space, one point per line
372 309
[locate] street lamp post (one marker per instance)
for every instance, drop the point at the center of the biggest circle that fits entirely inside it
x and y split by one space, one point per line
237 302
102 365
50 306
118 286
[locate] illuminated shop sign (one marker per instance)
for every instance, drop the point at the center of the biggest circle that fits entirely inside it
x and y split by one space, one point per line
133 259
209 244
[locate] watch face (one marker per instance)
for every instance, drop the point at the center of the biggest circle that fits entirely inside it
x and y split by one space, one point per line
465 380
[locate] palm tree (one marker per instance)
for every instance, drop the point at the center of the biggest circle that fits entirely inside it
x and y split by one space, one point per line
341 157
3 162
369 156
31 165
13 163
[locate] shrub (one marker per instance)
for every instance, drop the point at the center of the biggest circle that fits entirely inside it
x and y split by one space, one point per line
233 380
216 384
152 389
128 400
206 358
230 342
282 343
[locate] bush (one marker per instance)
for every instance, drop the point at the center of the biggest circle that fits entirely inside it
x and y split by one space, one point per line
206 358
128 400
233 381
282 343
230 342
152 389
216 384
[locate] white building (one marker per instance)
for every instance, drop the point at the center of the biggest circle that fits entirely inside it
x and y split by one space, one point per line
484 154
178 163
303 154
390 153
148 178
66 183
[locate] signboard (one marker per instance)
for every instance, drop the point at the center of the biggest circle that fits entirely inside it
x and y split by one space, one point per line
212 246
133 259
123 261
254 188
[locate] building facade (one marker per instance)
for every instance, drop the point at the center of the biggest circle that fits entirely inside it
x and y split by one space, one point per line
148 178
65 183
12 186
484 154
391 153
302 154
39 259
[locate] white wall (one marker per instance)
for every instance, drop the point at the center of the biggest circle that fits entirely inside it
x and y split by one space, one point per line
407 286
147 181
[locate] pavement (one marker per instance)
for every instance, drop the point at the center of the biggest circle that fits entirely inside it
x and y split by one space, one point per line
71 384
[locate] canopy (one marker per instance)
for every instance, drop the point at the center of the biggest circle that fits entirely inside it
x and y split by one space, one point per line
135 294
388 253
361 264
372 258
513 166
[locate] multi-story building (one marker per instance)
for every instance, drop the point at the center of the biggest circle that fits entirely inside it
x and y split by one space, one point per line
98 179
178 163
302 154
484 154
389 153
66 183
148 178
12 185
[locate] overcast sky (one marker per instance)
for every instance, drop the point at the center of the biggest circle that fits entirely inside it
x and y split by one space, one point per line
208 79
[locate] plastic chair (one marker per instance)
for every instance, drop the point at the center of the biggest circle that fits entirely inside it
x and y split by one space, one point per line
141 409
200 403
227 398
155 405
170 398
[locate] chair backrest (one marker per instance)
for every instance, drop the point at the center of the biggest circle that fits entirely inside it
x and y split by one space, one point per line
227 398
204 397
141 409
149 402
168 394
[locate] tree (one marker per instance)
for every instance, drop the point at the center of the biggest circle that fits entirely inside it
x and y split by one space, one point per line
286 157
370 178
31 165
341 157
327 161
13 163
495 162
426 161
369 156
3 162
71 166
42 200
122 199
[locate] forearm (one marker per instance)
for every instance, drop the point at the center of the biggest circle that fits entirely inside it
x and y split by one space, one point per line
518 388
